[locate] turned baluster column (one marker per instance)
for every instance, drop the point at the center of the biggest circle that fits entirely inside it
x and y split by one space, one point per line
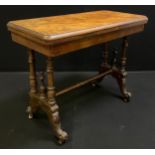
52 107
42 88
123 55
32 81
50 86
105 65
105 55
32 72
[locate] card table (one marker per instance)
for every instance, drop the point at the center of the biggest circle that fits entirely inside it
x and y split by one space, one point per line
58 35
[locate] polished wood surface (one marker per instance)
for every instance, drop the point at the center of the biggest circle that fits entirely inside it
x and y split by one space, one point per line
74 31
58 35
60 27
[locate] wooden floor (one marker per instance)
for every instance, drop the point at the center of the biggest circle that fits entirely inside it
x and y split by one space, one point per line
94 117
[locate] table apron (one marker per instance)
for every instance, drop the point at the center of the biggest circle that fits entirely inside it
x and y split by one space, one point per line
71 46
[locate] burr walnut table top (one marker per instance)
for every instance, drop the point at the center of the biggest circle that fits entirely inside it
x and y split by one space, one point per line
48 32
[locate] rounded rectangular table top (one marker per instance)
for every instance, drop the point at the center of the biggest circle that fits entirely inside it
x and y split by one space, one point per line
55 28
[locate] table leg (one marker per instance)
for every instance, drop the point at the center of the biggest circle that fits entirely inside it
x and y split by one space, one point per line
122 73
32 107
104 66
52 108
118 74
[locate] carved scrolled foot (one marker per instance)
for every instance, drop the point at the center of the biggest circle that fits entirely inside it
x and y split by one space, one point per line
62 136
54 118
32 108
126 97
121 79
30 113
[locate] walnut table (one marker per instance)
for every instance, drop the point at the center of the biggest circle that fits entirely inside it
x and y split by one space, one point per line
58 35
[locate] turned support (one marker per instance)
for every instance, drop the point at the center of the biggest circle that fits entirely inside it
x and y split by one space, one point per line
105 55
32 72
118 73
42 88
32 83
52 108
121 74
123 55
105 64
